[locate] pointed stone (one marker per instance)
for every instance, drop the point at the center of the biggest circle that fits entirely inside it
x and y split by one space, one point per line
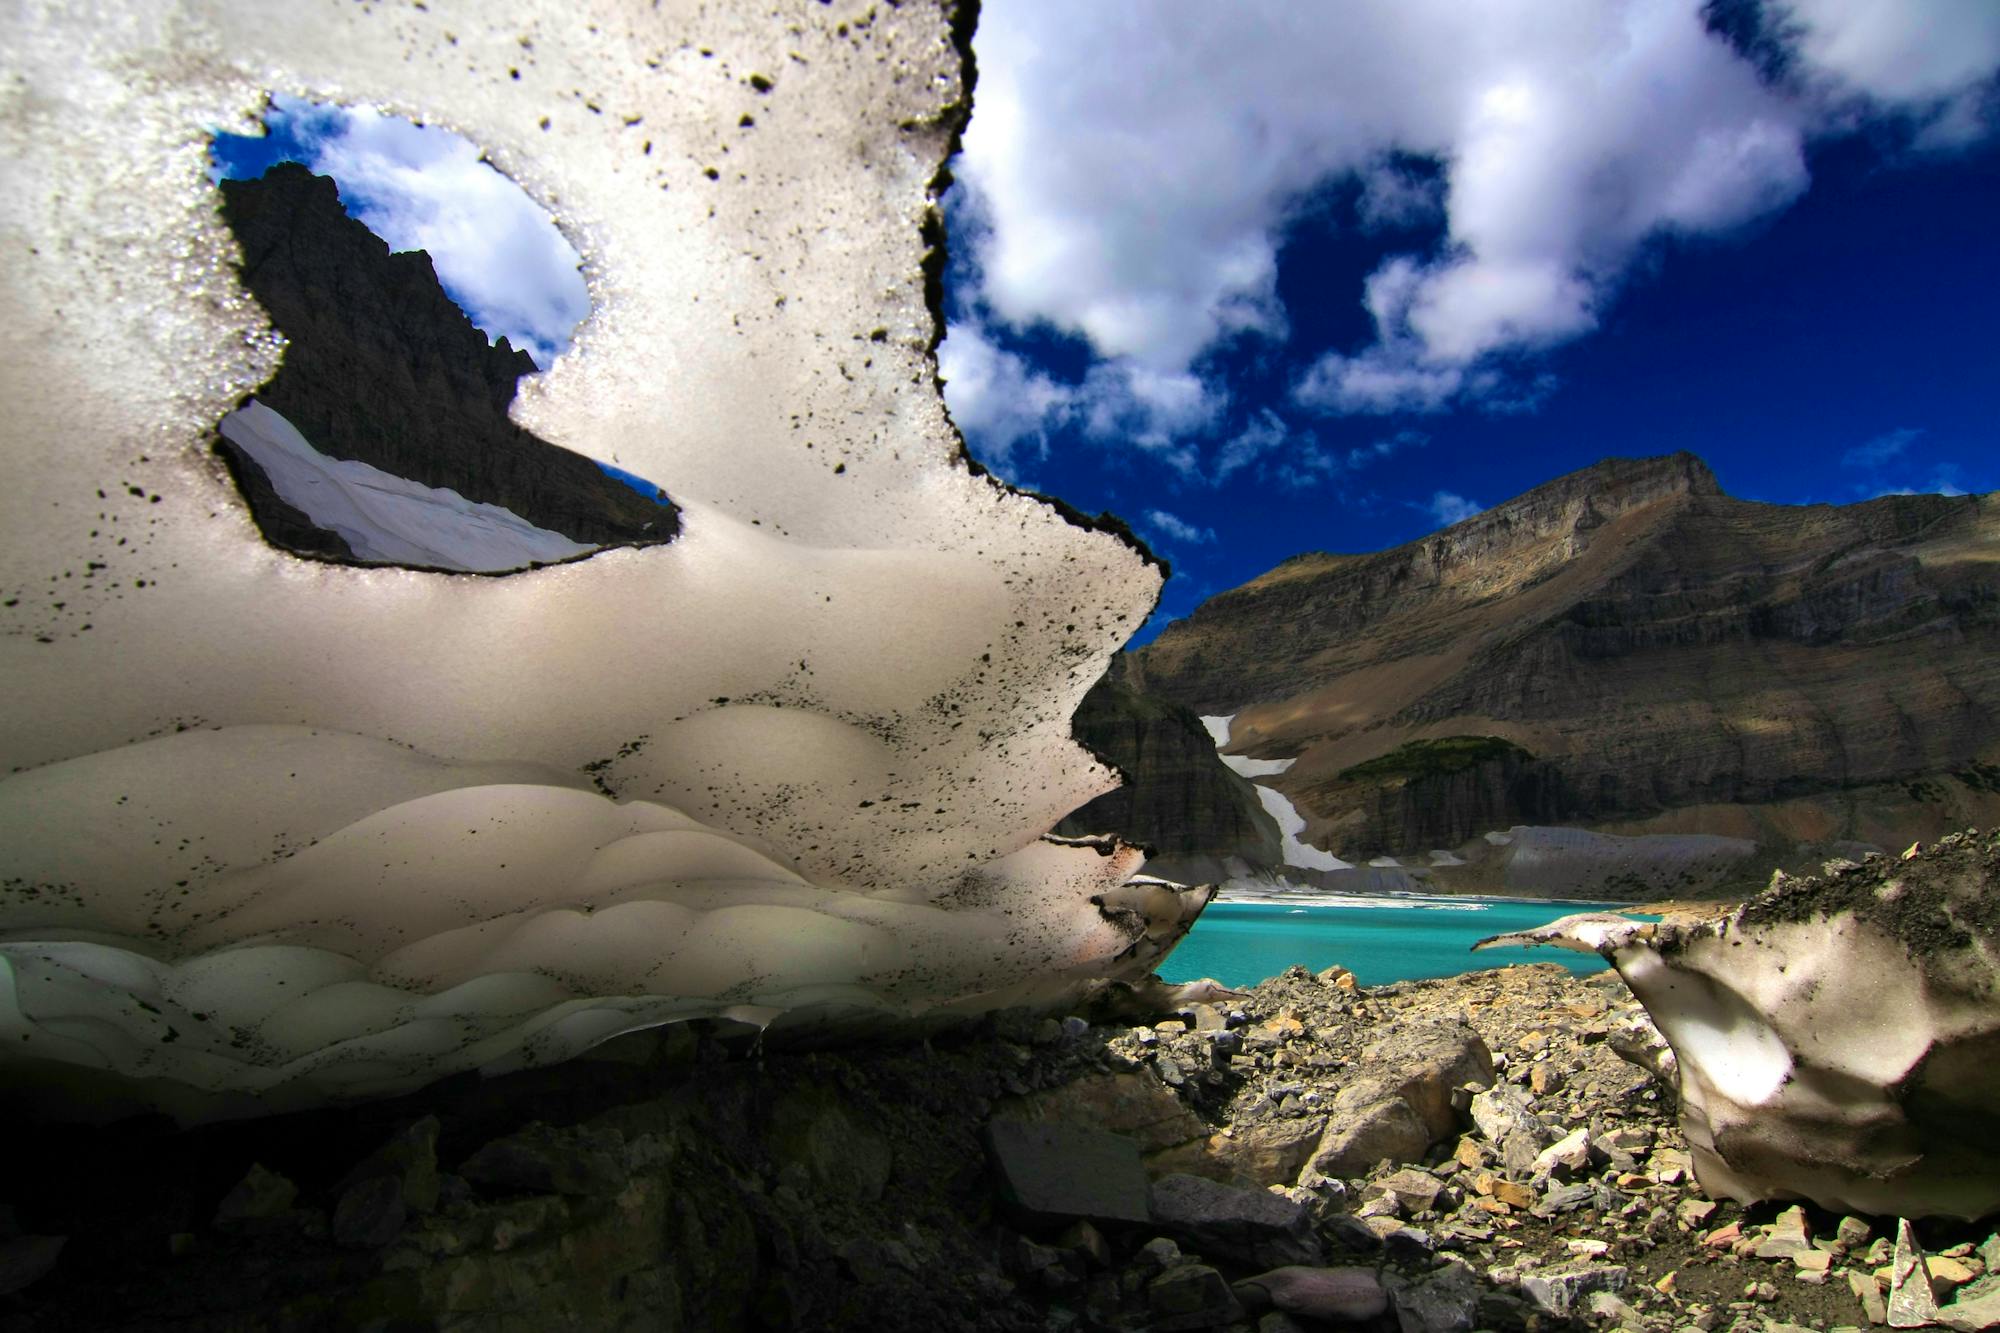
1911 1304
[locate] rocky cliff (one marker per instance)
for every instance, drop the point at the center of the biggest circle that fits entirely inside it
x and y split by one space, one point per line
383 368
1628 649
1199 820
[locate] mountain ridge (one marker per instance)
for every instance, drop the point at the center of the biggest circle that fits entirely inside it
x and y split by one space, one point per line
1647 646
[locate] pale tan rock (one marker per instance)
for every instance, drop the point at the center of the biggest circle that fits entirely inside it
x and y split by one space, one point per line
1694 1212
1133 1103
1788 1237
1869 1293
1911 1304
1948 1275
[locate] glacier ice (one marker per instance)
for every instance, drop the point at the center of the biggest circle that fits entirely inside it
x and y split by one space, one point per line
276 832
1834 1037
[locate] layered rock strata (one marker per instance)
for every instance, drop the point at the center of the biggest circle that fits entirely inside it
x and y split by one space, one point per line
1637 653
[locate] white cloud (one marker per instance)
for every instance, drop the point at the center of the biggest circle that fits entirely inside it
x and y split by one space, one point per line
1265 433
1178 529
1394 196
1881 449
1931 61
1126 402
1567 133
1448 508
1943 482
1004 407
423 188
1131 177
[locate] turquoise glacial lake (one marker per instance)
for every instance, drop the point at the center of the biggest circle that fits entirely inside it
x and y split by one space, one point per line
1379 939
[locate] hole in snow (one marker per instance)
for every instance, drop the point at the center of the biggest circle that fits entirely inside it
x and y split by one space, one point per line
415 285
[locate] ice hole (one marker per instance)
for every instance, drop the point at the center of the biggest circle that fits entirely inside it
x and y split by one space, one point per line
415 286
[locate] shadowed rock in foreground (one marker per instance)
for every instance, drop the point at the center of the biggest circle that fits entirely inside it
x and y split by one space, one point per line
1519 1169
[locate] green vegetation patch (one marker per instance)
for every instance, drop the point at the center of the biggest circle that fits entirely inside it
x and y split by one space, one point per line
1981 777
1423 759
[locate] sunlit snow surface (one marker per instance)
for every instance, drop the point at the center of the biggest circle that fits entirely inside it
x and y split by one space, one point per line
1290 822
385 518
277 831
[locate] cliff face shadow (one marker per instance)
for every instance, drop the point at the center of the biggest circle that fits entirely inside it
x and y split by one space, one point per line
392 442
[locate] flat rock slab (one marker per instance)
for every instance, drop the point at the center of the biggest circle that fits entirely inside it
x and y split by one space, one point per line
1247 1226
1051 1171
1561 1291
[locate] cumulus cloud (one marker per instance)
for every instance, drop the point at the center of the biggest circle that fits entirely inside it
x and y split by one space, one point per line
1178 529
1928 61
1881 449
1567 134
1448 508
422 188
1004 407
1125 402
1132 179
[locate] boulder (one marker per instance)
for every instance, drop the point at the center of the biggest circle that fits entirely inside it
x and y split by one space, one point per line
1190 1296
410 1159
1414 1189
1132 1103
540 1159
842 1154
1499 1111
1051 1172
1911 1303
1445 1301
1369 1124
1426 1061
262 1195
23 1259
1789 1236
1566 1158
370 1213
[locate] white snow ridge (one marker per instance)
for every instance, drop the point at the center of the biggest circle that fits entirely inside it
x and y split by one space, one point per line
385 518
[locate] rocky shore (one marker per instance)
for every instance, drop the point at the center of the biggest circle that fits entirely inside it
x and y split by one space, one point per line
1470 1153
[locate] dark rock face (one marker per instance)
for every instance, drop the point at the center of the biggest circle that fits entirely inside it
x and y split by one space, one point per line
1179 799
1665 659
383 368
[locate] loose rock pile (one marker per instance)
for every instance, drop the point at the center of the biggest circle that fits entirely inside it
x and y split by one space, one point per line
1462 1154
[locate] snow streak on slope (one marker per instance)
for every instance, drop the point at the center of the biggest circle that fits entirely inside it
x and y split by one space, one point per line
1290 822
386 518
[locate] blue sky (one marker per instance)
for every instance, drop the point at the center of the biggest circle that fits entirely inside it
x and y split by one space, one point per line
1270 278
